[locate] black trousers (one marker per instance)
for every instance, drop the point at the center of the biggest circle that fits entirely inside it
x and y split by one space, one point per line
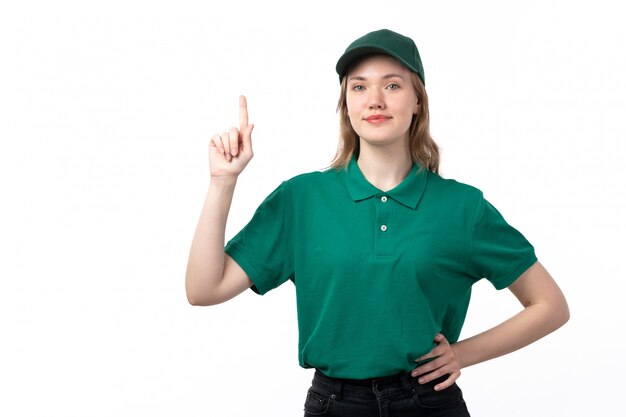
393 396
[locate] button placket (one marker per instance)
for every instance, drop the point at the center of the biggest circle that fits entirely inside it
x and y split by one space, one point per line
382 238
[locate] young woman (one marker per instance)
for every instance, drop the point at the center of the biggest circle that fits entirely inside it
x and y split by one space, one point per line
382 250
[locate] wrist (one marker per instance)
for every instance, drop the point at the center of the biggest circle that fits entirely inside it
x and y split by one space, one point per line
223 180
457 354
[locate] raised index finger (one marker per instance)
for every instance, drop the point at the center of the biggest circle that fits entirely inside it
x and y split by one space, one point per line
243 113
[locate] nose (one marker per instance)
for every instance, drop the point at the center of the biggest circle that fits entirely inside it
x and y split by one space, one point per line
376 100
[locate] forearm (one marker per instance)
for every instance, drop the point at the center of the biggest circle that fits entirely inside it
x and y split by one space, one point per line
205 266
529 325
545 310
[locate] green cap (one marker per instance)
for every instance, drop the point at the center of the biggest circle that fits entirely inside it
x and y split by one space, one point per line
386 42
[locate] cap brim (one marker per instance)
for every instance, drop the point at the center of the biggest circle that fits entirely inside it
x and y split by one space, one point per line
348 58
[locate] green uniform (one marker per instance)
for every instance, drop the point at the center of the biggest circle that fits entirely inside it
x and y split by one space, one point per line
377 274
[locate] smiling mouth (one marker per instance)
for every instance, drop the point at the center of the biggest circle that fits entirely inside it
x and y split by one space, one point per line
378 118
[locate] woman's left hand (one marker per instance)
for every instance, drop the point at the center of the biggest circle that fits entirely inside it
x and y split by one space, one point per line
445 363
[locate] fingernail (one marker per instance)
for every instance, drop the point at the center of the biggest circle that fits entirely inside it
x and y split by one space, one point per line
421 380
234 151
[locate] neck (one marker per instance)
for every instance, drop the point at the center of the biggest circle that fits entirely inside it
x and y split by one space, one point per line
384 167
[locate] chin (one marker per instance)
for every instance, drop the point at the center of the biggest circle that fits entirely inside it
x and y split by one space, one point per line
378 137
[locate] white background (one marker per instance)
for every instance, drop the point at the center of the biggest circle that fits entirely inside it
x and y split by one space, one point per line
106 110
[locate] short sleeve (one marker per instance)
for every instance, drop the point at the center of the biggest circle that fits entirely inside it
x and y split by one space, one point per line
498 251
264 247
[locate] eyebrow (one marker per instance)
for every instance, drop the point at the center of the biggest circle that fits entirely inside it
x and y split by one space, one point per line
385 77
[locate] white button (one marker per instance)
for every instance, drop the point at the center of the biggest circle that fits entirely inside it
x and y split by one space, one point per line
383 199
383 228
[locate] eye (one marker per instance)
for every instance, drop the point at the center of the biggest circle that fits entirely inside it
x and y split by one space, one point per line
358 87
393 86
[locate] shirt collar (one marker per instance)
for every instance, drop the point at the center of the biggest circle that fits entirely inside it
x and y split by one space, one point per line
408 192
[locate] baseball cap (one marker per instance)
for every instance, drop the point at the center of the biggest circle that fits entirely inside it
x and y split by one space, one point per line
386 42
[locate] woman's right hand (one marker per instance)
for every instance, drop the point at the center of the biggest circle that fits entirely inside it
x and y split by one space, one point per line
230 152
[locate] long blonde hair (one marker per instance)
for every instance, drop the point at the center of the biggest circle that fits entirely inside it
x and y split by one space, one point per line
423 148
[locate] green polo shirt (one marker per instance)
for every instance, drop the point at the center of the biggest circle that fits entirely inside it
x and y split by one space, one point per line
377 274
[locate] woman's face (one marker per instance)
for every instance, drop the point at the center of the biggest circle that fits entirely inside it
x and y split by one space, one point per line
381 100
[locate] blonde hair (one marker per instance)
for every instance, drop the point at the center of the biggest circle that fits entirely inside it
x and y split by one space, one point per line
423 148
